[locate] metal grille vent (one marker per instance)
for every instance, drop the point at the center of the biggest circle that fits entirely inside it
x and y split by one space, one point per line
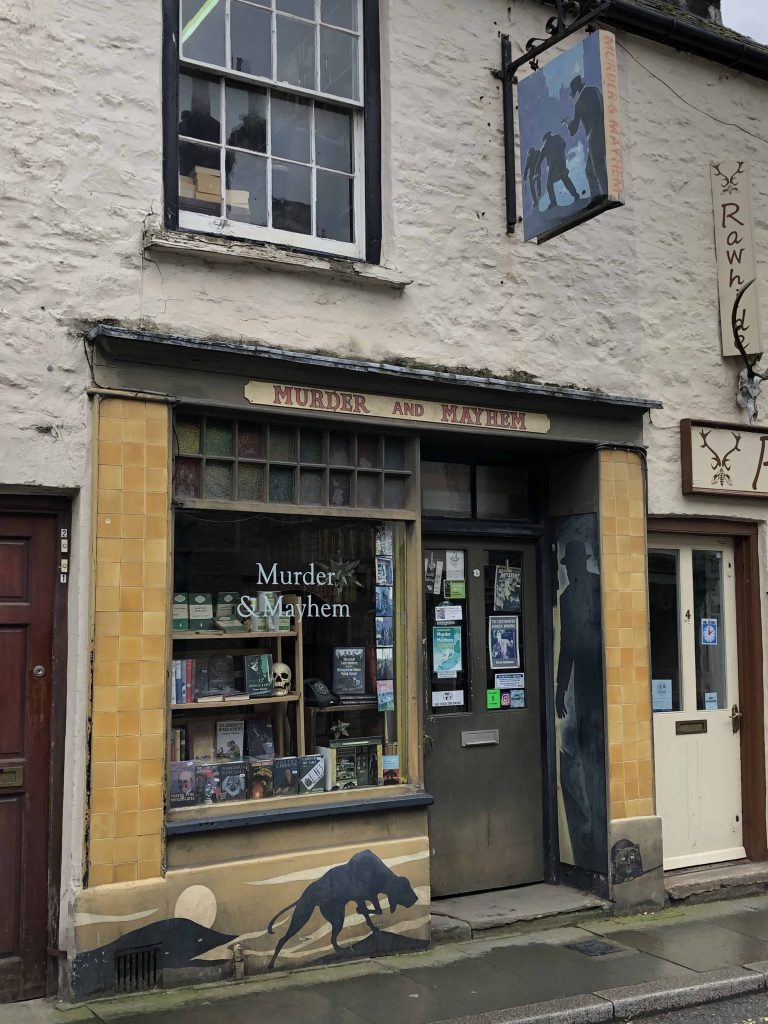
136 969
594 947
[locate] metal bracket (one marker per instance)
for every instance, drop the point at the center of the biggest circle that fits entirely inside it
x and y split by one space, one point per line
571 16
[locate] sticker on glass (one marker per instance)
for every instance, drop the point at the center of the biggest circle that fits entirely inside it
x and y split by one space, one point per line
509 680
503 643
492 699
710 701
447 698
454 590
454 565
507 588
661 691
709 632
438 578
516 699
449 613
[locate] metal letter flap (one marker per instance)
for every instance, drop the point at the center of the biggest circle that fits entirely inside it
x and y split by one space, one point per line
480 738
11 776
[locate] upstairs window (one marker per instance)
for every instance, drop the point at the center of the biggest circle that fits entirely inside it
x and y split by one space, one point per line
270 125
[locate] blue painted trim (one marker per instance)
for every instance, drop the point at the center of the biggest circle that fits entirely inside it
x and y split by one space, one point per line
279 815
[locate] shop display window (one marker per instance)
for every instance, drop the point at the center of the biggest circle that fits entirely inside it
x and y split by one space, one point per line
288 669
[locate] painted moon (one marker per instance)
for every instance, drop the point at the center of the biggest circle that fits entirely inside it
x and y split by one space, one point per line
197 903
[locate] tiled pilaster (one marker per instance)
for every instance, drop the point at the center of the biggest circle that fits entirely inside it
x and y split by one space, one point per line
131 623
625 607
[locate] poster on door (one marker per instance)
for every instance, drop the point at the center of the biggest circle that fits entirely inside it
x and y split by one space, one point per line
503 641
446 651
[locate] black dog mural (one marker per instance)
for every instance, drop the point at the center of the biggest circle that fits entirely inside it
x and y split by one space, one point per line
360 881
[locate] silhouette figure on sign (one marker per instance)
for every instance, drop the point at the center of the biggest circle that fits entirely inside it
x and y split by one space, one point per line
553 151
589 112
359 881
582 764
532 174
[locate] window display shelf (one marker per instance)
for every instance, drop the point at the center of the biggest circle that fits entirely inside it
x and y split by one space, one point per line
341 708
218 634
216 705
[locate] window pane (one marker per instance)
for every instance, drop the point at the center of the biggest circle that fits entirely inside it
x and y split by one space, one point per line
446 489
199 108
246 188
665 624
290 129
711 692
340 491
280 483
335 206
282 443
502 493
202 31
186 478
295 53
311 487
394 491
250 441
338 63
247 118
301 8
250 39
394 453
339 12
218 480
250 481
218 437
311 445
333 139
291 197
368 490
199 178
187 434
340 449
368 451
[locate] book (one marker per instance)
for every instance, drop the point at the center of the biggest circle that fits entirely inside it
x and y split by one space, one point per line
285 776
226 604
259 778
311 773
385 691
200 611
229 739
221 676
261 741
201 741
180 611
200 679
207 784
182 784
232 779
348 670
172 682
188 673
258 675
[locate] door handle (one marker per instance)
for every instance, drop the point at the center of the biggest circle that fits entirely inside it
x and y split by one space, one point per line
736 717
428 741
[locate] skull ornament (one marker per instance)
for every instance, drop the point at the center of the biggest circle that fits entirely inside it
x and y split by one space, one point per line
281 678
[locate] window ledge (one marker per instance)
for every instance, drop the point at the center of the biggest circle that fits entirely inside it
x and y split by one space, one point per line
270 257
402 798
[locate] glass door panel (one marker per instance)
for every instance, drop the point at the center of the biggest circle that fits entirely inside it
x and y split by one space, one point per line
504 667
664 601
447 630
711 690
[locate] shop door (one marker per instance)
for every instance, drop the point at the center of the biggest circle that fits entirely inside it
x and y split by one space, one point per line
27 568
695 695
482 737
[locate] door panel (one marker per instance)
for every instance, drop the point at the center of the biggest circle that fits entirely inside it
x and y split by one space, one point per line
695 689
482 752
27 588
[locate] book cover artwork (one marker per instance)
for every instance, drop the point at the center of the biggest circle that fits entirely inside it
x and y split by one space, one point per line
503 642
232 780
261 742
349 670
182 783
229 739
258 675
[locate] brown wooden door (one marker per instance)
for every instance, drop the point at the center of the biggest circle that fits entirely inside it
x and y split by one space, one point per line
27 587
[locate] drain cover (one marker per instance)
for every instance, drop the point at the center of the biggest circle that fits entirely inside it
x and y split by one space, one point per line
594 947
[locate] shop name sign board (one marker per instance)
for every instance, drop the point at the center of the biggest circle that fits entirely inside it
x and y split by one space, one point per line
382 407
719 458
735 253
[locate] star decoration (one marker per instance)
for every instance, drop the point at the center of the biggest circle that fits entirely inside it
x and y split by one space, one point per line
345 574
339 729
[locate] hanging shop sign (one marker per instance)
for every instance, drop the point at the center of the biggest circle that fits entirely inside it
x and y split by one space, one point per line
721 458
570 138
735 253
359 405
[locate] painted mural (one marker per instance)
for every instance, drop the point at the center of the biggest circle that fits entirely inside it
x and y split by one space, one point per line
579 696
278 912
570 144
637 873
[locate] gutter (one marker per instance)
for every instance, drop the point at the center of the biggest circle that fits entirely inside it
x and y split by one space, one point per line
682 34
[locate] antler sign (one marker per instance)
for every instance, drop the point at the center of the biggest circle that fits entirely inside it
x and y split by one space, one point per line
735 251
724 458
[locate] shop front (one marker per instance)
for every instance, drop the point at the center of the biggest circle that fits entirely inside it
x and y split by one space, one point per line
363 637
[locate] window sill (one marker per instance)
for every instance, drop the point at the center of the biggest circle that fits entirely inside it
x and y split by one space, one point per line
270 257
283 809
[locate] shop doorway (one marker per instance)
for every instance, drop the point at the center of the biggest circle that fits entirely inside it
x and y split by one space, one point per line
482 755
695 693
28 583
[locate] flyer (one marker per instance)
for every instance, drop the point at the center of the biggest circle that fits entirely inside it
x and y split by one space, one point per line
661 693
384 572
509 680
446 651
349 669
454 565
454 589
385 693
710 701
438 578
503 644
447 698
507 588
709 632
449 613
517 698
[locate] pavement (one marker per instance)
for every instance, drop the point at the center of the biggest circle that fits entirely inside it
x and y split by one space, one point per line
597 970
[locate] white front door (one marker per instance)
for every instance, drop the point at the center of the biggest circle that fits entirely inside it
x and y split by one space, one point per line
695 693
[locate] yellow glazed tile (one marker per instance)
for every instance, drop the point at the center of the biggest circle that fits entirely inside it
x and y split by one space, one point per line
127 799
134 503
152 722
131 599
101 851
125 849
150 797
151 822
103 748
148 869
131 648
100 874
102 801
128 723
126 872
126 823
104 699
110 478
127 773
129 698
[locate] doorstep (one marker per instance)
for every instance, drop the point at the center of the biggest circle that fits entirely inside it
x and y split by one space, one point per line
721 881
512 911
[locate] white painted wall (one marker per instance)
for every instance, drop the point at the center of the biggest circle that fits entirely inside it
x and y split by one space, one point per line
627 303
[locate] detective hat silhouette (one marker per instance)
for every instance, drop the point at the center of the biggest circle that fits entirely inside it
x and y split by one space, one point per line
574 552
577 84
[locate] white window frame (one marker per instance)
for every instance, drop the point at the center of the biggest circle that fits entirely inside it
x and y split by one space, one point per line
222 225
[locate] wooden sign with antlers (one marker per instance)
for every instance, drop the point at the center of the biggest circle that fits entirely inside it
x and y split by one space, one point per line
724 458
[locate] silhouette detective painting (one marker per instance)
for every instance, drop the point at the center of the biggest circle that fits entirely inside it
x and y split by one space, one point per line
579 700
563 140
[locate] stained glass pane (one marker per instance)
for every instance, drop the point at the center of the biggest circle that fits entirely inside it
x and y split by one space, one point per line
340 454
186 481
368 490
187 432
250 482
281 484
394 453
218 437
311 487
282 444
250 441
368 451
311 446
394 491
340 489
218 480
